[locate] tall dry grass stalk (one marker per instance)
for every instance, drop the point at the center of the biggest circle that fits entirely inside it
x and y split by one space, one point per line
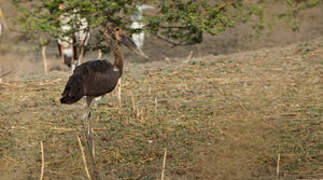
137 112
119 93
99 54
93 145
45 59
84 159
278 166
140 114
4 74
189 57
42 160
164 165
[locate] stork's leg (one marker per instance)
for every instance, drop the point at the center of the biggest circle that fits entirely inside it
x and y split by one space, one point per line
88 103
88 134
88 128
86 115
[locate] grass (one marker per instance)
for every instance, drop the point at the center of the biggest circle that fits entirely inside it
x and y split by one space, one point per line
224 117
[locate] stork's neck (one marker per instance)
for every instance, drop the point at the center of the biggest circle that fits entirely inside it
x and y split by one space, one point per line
117 53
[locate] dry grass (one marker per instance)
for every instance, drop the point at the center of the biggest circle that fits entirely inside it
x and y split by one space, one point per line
224 117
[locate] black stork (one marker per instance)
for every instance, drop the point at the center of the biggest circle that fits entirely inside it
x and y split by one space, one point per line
98 77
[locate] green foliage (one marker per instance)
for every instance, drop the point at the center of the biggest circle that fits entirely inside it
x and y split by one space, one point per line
294 8
178 22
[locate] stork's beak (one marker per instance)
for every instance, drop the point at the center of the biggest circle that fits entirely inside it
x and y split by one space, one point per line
128 42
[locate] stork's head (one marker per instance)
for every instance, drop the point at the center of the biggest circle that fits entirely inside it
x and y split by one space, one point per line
121 36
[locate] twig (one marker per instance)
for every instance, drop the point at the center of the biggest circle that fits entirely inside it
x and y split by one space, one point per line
10 159
5 73
173 43
164 165
42 160
62 129
278 161
84 159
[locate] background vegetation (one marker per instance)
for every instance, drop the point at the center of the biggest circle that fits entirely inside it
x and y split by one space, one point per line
179 22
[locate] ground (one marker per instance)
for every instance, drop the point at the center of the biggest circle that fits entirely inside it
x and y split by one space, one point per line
219 117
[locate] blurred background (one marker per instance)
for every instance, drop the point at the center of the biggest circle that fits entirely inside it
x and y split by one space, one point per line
278 24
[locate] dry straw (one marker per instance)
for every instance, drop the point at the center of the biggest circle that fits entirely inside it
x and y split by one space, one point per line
119 93
42 160
99 54
44 59
84 159
164 165
278 164
189 57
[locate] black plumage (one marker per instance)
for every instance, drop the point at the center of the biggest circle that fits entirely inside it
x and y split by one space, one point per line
99 77
91 79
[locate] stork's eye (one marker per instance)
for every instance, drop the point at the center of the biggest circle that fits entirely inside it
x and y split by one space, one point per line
117 29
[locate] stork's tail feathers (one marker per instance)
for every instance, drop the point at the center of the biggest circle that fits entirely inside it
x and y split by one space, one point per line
73 90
